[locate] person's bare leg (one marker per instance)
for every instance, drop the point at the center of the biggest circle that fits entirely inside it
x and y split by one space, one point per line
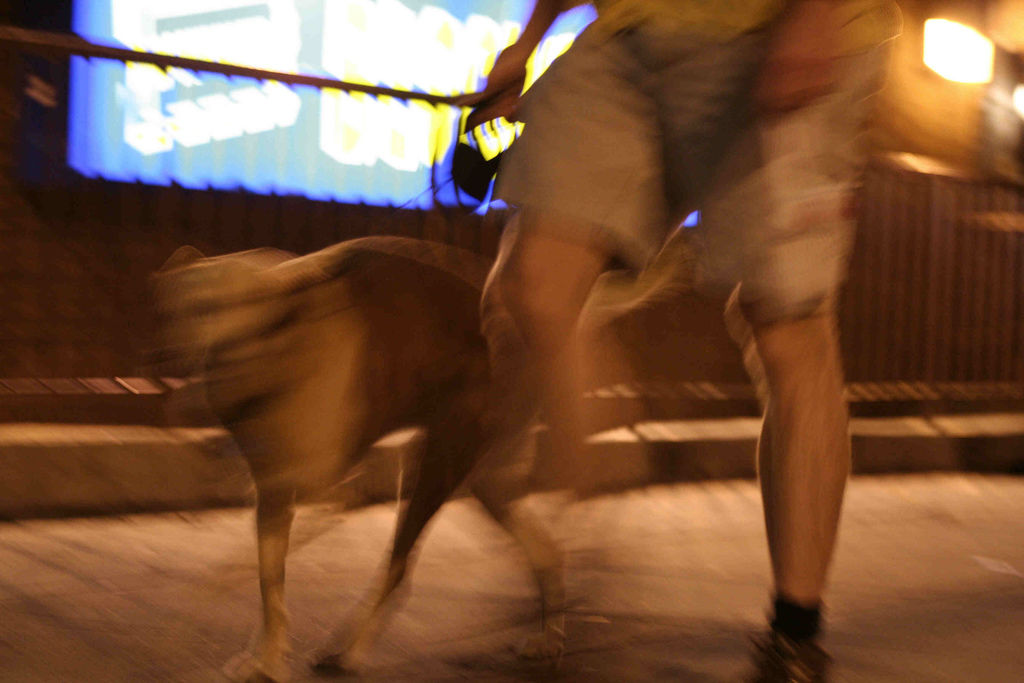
545 282
803 453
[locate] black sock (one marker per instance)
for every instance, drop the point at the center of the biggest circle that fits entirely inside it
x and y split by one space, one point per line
796 622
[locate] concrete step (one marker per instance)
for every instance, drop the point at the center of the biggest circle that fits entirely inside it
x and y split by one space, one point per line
149 401
86 400
58 469
692 450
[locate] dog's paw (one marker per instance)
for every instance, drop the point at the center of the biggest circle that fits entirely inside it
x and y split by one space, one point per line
541 646
332 664
245 668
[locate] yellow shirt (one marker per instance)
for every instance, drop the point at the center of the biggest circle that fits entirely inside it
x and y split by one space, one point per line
866 23
719 19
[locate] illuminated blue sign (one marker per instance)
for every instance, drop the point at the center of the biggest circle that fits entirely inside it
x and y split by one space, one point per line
136 122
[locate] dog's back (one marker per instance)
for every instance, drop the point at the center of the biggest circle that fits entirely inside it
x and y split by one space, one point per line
418 303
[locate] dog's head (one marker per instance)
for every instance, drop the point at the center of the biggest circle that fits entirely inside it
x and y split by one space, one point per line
213 305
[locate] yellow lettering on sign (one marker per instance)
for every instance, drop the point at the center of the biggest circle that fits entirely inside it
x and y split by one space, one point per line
383 42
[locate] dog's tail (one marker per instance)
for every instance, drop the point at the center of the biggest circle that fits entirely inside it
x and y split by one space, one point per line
672 273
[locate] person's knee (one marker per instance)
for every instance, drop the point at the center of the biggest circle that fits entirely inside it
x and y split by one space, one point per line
544 283
520 291
793 348
538 310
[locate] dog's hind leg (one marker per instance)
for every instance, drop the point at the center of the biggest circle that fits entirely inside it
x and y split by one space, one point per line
269 658
451 449
498 489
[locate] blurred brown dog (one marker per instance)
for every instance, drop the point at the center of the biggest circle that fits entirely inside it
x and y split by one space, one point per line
308 361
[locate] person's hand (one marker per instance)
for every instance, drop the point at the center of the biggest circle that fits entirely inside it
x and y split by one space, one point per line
800 64
500 98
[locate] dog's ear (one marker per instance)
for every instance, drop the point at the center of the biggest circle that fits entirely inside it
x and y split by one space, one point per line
183 256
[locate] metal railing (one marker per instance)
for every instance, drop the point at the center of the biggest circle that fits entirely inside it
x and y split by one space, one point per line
936 288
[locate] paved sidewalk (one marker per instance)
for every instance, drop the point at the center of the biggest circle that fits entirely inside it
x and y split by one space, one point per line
666 583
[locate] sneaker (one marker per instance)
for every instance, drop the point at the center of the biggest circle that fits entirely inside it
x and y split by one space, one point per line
778 659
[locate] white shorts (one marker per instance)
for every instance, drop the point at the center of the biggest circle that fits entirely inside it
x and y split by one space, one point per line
627 134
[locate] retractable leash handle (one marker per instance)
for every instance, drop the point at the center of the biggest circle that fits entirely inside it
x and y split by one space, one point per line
472 173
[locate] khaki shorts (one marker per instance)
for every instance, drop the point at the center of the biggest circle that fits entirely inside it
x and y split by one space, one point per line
626 134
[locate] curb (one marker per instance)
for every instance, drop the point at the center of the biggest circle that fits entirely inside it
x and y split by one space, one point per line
60 470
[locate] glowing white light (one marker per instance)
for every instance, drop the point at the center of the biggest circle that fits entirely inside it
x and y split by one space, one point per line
1018 99
148 134
269 39
358 130
146 79
283 102
222 115
365 41
183 77
188 123
253 111
369 41
403 135
548 51
957 52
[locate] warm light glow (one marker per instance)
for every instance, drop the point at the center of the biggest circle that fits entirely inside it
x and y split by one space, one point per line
1018 99
957 52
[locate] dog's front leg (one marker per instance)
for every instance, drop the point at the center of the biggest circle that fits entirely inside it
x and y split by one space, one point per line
269 659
